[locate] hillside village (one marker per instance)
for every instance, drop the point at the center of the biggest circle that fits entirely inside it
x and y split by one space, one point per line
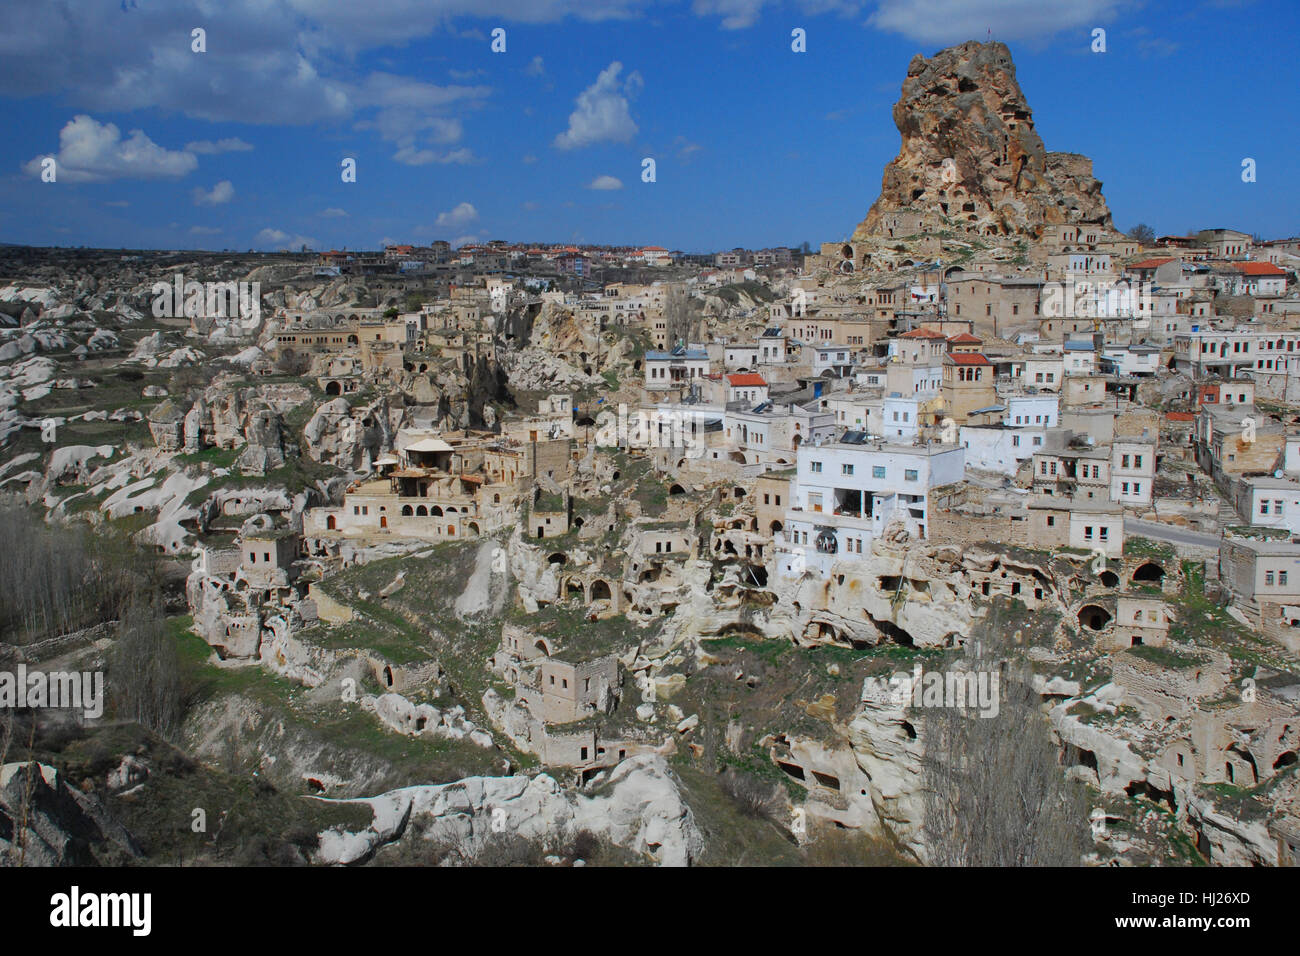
623 542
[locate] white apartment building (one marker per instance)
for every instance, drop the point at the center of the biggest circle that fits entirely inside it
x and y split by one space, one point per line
847 491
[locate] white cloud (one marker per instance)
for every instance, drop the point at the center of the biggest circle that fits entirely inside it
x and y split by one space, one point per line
736 14
605 182
460 216
536 67
279 239
90 151
334 213
207 147
423 157
602 112
412 114
221 193
953 21
300 49
464 240
204 230
685 148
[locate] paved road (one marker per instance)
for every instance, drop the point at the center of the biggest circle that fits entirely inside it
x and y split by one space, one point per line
1164 532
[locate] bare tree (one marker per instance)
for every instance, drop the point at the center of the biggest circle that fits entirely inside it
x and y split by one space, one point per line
995 792
145 672
752 796
1143 234
680 321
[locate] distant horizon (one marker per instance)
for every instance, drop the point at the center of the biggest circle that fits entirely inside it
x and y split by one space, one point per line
244 143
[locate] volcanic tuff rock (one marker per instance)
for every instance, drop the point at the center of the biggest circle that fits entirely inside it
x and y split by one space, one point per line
971 159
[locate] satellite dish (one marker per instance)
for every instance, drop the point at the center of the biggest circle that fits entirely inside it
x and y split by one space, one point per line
1278 473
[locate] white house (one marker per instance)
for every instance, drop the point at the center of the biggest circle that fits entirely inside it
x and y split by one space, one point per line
837 359
1043 372
1080 358
746 387
1023 411
998 448
740 357
674 369
1132 472
901 413
1272 502
1132 359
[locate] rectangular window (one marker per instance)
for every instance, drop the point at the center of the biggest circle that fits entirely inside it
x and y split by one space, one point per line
815 466
1268 578
1104 533
1087 533
909 474
1281 577
877 471
846 469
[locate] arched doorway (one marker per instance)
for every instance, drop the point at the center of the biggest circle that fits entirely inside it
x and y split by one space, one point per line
1094 617
1149 573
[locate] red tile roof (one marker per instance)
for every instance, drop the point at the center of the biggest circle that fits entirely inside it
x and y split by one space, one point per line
967 358
1259 268
1151 263
923 334
1180 416
966 338
747 378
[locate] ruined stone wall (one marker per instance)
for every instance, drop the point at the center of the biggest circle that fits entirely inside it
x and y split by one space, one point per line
1174 690
959 528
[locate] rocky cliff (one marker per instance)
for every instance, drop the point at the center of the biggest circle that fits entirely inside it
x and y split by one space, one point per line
971 159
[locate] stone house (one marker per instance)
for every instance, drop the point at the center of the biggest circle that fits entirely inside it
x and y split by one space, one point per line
554 690
1139 620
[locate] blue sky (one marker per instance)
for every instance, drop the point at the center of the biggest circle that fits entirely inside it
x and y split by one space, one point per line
240 146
